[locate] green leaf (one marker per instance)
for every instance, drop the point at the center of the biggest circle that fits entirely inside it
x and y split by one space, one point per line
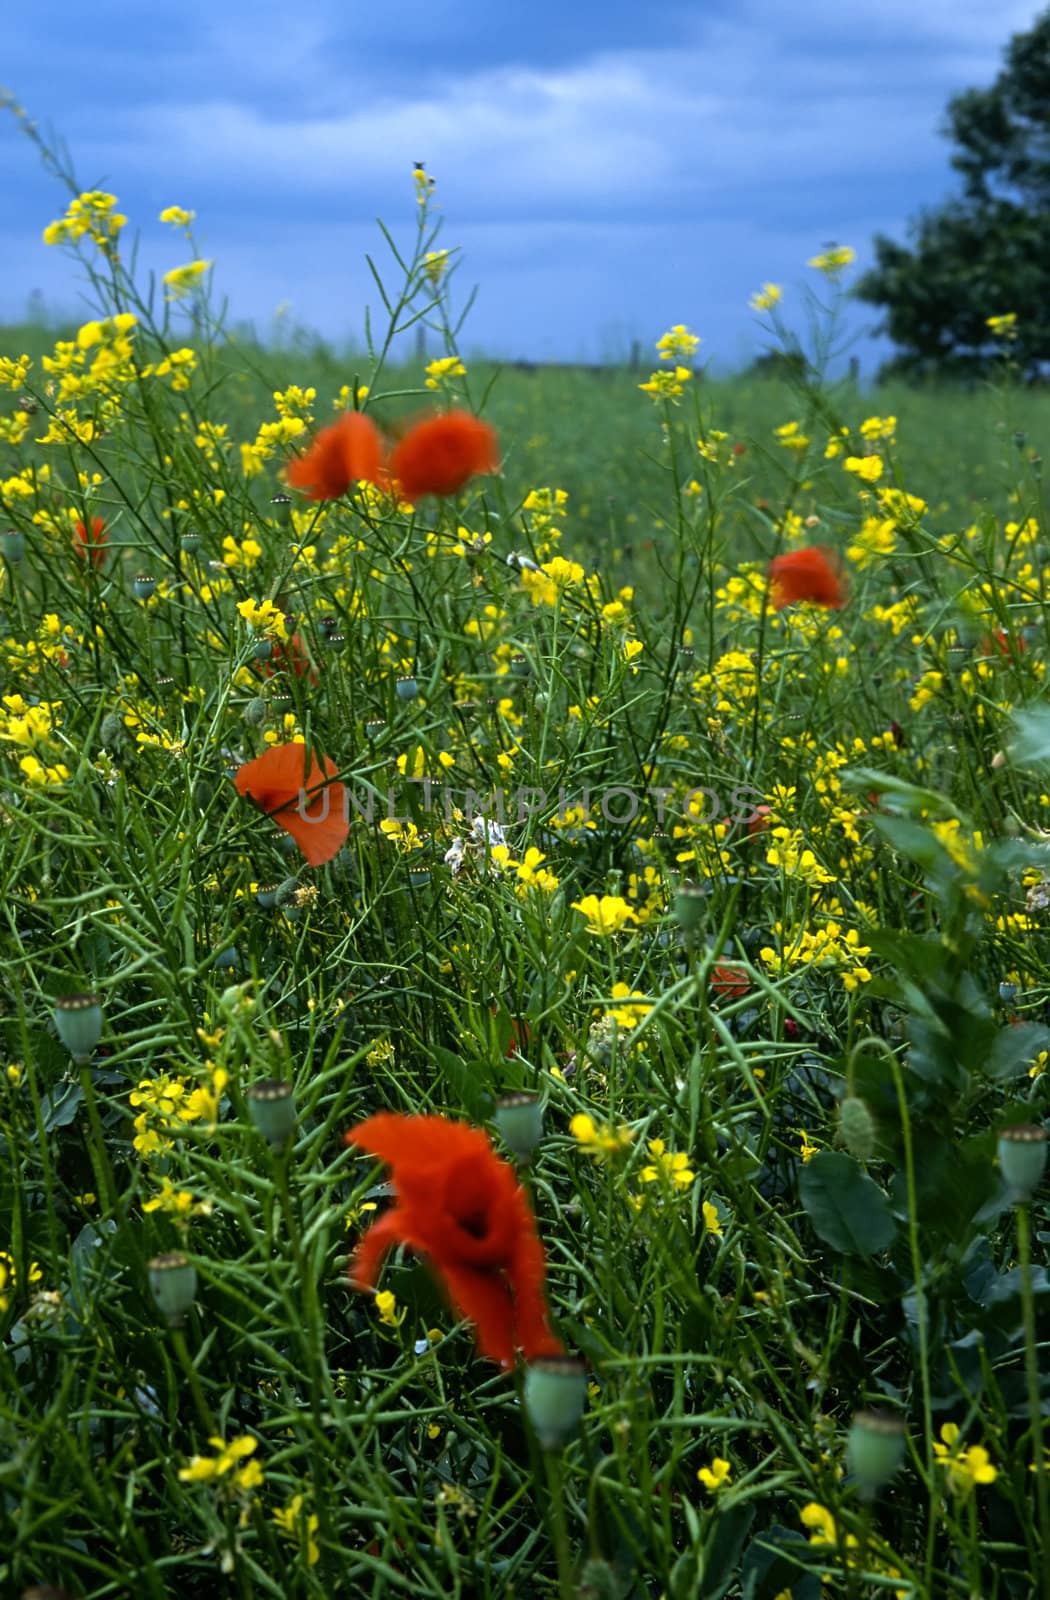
847 1208
1015 1048
723 1550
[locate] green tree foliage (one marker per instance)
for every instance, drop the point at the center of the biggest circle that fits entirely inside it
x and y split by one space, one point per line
986 253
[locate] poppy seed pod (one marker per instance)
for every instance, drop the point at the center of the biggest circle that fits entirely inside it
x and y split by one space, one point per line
262 649
144 586
173 1284
555 1395
1022 1159
874 1450
519 1118
690 906
14 545
266 896
78 1023
190 543
407 688
373 729
271 1106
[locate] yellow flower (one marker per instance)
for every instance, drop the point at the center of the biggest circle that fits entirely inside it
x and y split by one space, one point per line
714 1476
631 1008
667 1167
807 1151
386 1305
606 915
831 262
203 1468
867 467
712 1221
444 367
967 1467
667 385
294 1525
180 280
435 265
600 1142
177 216
1004 326
766 298
678 344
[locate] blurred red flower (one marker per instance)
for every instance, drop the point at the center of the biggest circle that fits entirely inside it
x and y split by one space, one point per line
346 452
808 574
729 980
279 783
90 543
440 454
462 1206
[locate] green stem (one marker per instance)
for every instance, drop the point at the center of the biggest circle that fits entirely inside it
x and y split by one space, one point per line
1035 1403
920 1306
559 1527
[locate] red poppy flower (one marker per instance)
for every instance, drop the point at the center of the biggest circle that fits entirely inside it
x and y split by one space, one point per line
90 544
278 783
729 980
1000 643
292 657
759 822
440 454
808 574
344 453
462 1206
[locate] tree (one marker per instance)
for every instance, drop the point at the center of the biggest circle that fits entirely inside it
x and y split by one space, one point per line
986 253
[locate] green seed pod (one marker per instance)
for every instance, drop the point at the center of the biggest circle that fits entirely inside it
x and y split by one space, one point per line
599 1581
874 1450
1022 1159
857 1127
13 543
407 688
266 896
173 1284
519 1118
190 543
78 1023
144 586
271 1105
418 877
111 730
690 906
555 1395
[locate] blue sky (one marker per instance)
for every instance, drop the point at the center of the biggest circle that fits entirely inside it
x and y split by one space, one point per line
605 170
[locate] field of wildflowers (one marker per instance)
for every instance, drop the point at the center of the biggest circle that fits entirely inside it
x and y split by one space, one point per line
524 1010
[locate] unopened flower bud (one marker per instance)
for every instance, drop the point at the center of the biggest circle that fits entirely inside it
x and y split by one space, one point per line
874 1450
1022 1159
173 1284
519 1118
286 892
857 1127
555 1395
111 730
271 1105
255 712
78 1023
